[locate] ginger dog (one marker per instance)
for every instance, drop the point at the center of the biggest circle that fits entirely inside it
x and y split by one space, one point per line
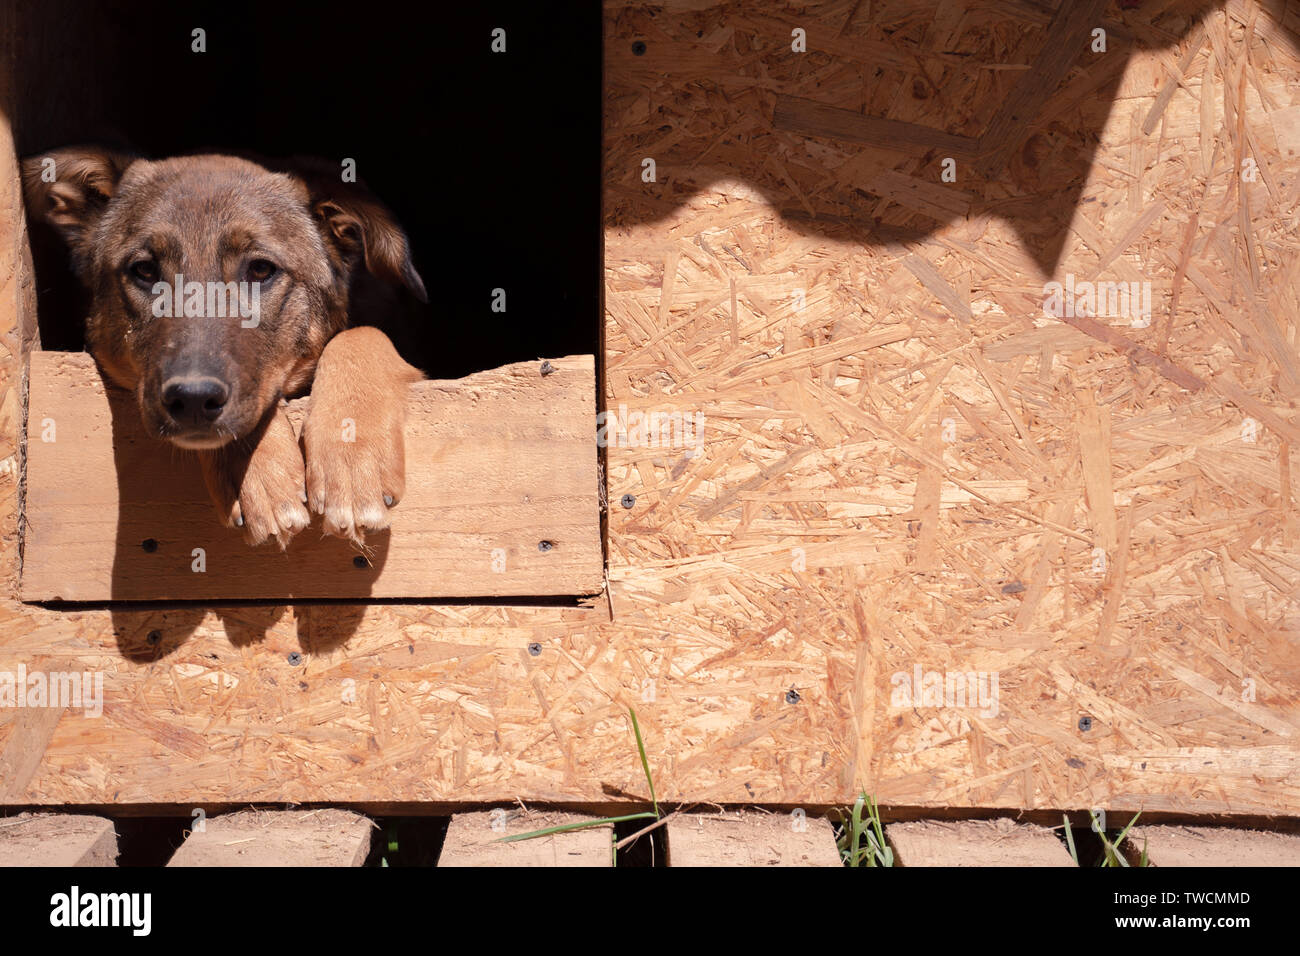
304 249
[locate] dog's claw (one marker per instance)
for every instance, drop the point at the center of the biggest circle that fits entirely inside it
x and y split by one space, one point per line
354 485
265 504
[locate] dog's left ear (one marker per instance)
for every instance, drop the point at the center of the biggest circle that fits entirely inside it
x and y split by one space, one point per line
363 230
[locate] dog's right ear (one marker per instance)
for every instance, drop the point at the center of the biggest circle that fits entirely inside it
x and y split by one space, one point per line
70 188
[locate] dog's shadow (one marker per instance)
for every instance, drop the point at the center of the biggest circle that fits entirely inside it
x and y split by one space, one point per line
849 140
175 566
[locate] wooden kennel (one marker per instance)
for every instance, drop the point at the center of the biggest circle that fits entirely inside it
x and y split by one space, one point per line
905 468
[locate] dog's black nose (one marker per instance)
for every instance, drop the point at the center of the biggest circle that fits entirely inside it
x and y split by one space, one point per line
195 401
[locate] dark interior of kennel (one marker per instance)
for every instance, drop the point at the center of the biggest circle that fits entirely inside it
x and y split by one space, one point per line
491 161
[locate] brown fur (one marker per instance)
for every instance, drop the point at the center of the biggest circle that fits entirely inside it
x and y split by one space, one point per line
224 219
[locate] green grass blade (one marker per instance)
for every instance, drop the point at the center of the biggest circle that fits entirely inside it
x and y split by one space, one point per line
645 764
585 824
1123 833
1069 840
882 850
855 858
1119 840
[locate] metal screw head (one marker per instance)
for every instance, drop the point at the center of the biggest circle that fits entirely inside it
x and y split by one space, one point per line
628 501
294 658
545 546
150 545
638 48
535 649
792 696
153 637
547 368
1085 723
360 561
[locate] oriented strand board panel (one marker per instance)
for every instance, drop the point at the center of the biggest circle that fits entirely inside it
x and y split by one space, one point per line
751 839
975 843
474 839
1213 846
496 464
915 483
901 464
57 839
278 838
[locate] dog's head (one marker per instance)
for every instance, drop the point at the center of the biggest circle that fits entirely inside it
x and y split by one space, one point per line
215 281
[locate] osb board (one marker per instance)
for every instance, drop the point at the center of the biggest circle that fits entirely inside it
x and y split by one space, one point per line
946 459
502 499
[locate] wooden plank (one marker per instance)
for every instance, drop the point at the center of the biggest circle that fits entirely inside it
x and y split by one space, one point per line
474 839
751 839
496 464
278 838
57 839
1212 846
975 843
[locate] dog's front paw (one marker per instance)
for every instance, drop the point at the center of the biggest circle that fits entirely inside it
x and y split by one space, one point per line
356 463
354 435
258 484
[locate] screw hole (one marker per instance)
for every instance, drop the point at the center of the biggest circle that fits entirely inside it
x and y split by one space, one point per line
638 48
360 562
150 545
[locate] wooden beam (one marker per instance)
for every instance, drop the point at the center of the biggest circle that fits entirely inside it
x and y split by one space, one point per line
751 839
474 839
57 839
497 463
1212 846
975 843
278 838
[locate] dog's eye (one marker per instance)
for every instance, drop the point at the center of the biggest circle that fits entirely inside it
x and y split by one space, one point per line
146 270
259 270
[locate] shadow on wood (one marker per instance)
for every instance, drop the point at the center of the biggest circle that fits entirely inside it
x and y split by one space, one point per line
849 139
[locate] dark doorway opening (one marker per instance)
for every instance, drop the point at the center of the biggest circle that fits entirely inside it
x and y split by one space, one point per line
490 160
